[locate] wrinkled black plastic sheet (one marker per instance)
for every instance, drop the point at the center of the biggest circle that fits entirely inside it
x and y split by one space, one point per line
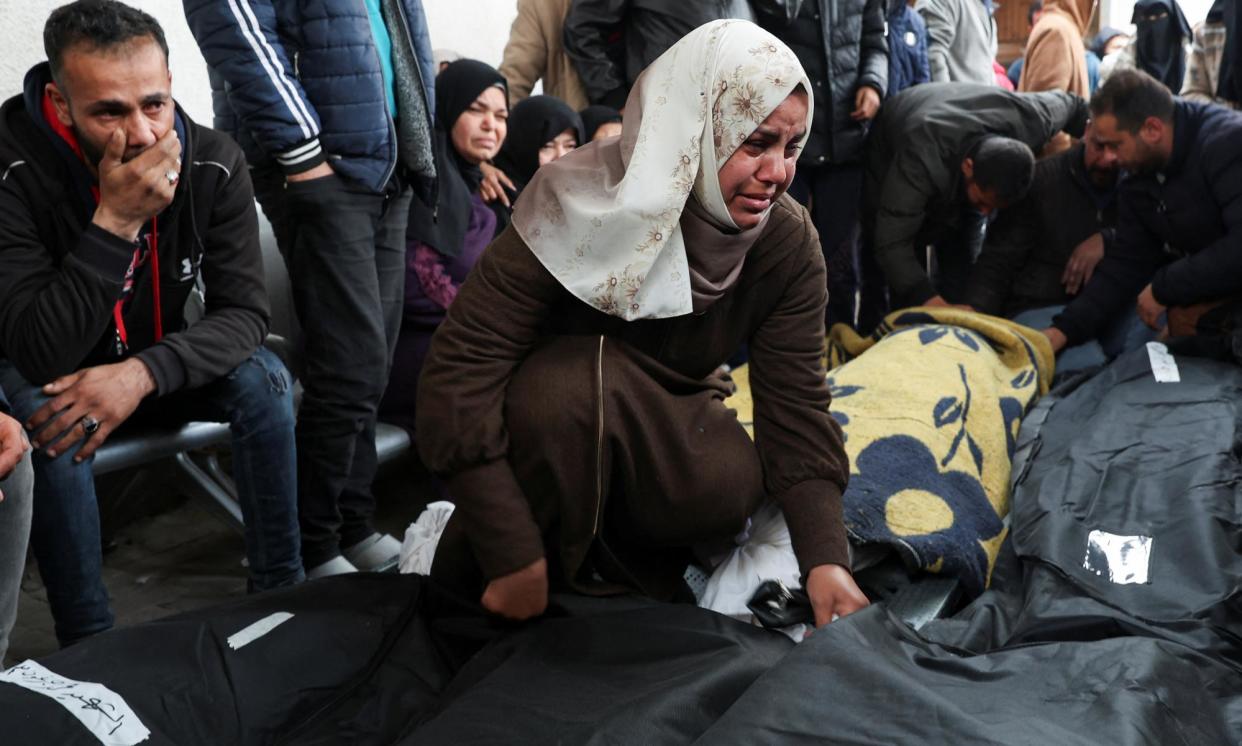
1061 651
369 659
1076 643
187 686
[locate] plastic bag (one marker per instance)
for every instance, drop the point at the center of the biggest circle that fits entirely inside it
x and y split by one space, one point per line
766 554
422 537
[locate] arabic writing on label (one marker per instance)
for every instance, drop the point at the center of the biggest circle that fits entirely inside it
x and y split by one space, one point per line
101 710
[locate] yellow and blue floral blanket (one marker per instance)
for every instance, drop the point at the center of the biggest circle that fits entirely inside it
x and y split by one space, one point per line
930 404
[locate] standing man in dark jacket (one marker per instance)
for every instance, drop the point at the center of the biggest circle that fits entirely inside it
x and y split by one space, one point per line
941 156
113 207
612 41
1179 235
841 45
332 103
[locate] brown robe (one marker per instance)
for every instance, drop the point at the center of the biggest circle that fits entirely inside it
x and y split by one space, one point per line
1056 57
604 445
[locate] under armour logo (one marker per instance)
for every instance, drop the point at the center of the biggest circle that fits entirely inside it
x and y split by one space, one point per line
187 269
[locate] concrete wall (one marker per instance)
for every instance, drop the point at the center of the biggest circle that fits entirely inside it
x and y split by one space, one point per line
475 28
21 38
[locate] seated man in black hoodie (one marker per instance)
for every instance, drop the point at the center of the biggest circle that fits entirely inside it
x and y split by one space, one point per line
113 207
1179 233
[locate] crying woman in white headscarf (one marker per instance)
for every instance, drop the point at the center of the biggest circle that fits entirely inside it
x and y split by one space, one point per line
570 401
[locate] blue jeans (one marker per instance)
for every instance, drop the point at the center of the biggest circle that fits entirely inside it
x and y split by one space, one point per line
256 399
1125 333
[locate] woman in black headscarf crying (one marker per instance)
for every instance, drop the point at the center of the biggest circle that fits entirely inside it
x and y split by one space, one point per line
444 240
541 130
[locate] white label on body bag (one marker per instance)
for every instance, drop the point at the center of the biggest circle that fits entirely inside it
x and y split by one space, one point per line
101 710
1118 559
1163 365
249 634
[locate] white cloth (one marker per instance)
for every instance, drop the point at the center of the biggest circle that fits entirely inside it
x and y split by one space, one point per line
604 219
422 537
766 553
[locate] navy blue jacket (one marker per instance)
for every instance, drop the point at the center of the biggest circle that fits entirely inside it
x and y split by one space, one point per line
907 48
1179 229
299 82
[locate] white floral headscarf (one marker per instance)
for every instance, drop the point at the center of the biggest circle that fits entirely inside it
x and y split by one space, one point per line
604 219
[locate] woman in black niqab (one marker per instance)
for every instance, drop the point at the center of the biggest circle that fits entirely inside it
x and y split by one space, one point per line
1160 43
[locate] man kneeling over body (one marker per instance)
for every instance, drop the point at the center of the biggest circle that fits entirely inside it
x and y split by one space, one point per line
113 205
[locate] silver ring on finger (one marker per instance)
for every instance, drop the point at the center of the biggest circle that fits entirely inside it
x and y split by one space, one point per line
90 425
172 177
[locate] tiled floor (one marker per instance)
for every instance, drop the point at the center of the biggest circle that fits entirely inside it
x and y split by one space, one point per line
168 554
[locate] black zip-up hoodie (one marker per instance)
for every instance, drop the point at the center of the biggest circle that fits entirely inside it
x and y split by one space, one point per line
61 275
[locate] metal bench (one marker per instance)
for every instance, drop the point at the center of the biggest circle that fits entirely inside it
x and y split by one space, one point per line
193 446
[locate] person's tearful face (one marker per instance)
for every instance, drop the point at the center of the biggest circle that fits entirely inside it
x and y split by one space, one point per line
1100 161
480 130
127 87
762 167
558 146
1137 153
985 201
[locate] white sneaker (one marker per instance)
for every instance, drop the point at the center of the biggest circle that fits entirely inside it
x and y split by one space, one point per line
376 553
338 565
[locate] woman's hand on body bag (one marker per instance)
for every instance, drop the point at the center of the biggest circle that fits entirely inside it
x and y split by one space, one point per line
519 595
833 593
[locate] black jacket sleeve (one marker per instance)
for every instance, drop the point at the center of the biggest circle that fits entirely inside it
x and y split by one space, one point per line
1215 271
587 28
909 184
237 311
1127 266
1053 112
873 50
53 314
1010 240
